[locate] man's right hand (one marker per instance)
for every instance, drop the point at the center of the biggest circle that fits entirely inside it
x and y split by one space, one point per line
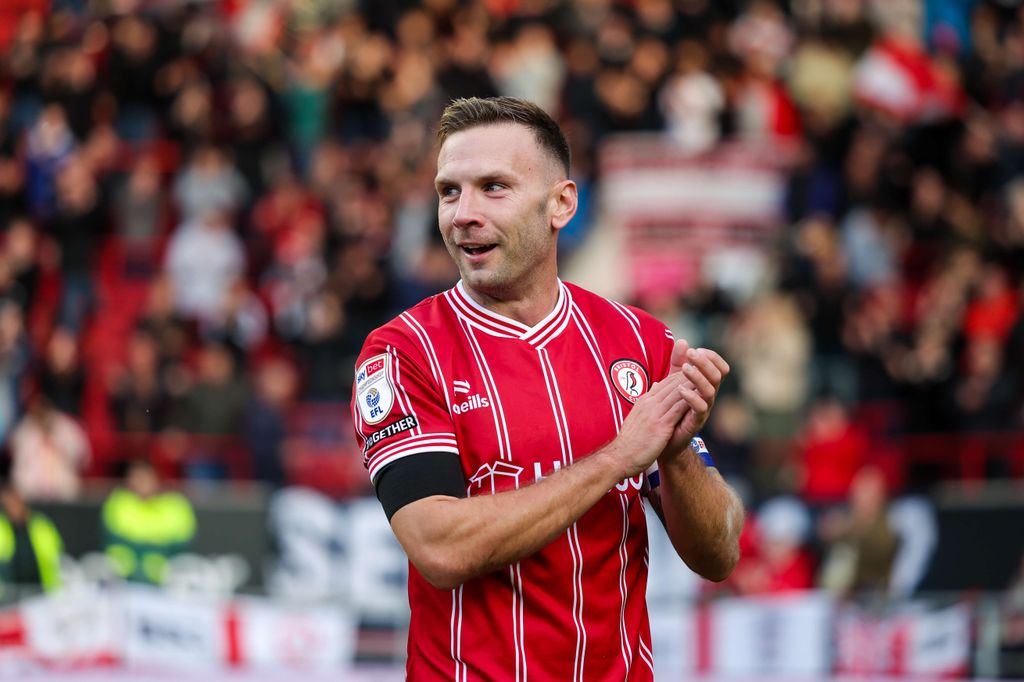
649 426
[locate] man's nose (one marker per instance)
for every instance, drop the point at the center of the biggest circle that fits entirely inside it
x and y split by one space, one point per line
467 212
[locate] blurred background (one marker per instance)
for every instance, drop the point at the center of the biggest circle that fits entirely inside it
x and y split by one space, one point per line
206 205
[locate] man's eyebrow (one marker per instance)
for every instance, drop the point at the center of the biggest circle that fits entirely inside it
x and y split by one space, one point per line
492 176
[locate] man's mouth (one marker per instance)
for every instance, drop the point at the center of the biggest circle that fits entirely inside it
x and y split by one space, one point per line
476 249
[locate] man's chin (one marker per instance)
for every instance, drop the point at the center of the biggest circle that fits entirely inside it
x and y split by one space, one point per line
484 281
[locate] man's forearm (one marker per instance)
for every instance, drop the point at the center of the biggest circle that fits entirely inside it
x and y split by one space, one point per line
472 536
702 514
451 540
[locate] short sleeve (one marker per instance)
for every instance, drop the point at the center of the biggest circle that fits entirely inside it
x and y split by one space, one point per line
398 408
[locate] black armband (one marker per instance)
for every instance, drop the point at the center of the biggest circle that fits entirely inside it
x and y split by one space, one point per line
423 475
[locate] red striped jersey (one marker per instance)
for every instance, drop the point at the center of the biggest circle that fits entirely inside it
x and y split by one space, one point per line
516 403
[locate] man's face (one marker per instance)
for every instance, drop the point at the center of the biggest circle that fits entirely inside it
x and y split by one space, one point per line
496 188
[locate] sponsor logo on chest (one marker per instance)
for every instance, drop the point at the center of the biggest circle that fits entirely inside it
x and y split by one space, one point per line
465 402
473 402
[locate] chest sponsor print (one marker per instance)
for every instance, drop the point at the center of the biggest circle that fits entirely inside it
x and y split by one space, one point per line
374 393
629 378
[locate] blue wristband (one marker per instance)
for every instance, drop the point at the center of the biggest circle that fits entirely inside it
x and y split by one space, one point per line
697 443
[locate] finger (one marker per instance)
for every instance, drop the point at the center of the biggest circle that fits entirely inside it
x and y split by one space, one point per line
695 401
673 383
678 359
662 390
699 382
719 361
698 358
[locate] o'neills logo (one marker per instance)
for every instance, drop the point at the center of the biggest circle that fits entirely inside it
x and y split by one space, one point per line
629 378
474 402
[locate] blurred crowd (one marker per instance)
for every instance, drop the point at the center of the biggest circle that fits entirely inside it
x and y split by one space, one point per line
206 205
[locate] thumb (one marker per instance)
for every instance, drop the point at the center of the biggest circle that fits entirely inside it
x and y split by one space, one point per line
678 356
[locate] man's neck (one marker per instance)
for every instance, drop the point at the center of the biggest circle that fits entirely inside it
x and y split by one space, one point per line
528 308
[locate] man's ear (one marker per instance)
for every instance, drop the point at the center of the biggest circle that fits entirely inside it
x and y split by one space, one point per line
564 199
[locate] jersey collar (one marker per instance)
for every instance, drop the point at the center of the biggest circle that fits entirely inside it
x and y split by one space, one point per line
499 325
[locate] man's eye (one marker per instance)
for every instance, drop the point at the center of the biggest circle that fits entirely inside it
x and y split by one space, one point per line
448 191
493 187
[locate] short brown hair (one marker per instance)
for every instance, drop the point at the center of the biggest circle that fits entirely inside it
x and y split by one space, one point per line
469 112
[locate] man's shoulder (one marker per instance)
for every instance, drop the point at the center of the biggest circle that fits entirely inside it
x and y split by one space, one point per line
430 319
606 309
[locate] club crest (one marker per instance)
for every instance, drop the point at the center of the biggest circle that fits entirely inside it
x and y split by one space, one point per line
374 393
629 378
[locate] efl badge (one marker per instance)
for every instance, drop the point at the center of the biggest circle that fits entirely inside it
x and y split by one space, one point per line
374 392
630 379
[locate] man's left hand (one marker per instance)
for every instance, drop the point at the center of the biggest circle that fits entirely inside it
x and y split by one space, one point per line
704 369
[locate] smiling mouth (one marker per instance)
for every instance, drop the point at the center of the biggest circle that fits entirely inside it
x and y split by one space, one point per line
477 250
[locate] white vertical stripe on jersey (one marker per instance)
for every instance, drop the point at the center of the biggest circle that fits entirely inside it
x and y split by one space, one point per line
455 657
458 641
571 533
551 398
428 350
500 427
627 652
556 393
522 628
504 452
518 636
591 340
406 403
577 605
635 324
646 655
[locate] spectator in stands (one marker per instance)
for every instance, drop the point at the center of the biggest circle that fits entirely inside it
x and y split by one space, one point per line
209 184
30 545
771 347
21 255
49 453
775 555
692 100
266 420
254 131
241 321
77 224
139 398
160 318
860 543
13 200
203 259
830 452
326 351
145 526
14 360
49 144
62 378
984 392
212 410
140 210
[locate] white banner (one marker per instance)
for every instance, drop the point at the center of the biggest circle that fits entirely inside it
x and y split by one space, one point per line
273 636
171 630
940 642
914 642
786 635
79 625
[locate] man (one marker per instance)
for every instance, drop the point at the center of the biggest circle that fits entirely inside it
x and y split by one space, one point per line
144 526
30 545
512 427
